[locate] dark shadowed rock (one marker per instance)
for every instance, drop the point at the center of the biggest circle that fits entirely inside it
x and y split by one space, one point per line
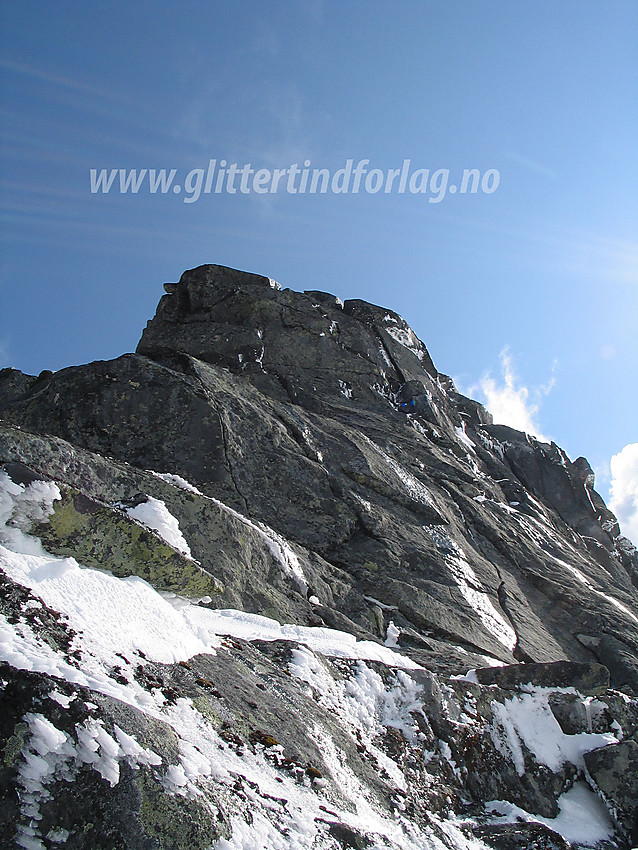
512 836
621 660
587 678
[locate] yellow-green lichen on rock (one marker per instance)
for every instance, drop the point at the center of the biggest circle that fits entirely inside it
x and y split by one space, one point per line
15 743
105 538
178 822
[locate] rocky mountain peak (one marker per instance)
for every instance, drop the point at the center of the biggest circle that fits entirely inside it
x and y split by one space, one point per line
293 472
310 346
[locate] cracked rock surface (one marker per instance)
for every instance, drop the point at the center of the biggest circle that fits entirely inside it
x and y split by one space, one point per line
324 475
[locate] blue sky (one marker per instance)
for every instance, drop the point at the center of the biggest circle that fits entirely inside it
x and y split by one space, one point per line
544 268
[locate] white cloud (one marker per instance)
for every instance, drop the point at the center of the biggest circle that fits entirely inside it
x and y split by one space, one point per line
624 490
510 402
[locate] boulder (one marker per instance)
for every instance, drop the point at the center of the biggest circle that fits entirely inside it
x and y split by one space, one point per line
614 771
590 678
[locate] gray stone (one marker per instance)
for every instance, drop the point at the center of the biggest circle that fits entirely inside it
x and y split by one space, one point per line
588 678
621 660
614 770
576 714
513 836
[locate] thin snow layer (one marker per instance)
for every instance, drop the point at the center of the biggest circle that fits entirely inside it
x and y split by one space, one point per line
329 642
415 488
463 437
154 514
282 552
539 531
404 336
115 614
584 580
364 704
284 812
127 615
177 481
583 818
527 719
279 548
471 589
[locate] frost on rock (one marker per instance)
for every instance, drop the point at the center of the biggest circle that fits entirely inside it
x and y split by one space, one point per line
414 488
51 754
583 819
364 703
20 508
177 481
528 720
283 552
279 548
345 389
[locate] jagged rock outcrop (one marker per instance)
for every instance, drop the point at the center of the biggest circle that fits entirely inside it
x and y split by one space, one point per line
324 474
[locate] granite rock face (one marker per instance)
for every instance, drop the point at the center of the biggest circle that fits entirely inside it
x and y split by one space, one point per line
324 475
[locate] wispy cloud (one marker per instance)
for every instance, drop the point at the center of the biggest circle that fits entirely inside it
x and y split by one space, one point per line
61 81
624 490
509 401
531 164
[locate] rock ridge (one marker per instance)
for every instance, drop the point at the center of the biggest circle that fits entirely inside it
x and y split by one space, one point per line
325 476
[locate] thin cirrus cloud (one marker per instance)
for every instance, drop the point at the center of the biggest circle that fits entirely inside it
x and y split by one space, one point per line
531 164
61 81
510 402
624 490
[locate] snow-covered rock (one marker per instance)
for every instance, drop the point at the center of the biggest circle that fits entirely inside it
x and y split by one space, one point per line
271 582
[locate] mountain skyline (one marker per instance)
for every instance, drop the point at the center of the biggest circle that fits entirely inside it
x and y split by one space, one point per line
271 581
525 290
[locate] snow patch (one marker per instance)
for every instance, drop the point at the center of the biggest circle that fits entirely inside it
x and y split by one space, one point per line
392 635
405 337
154 514
583 818
20 508
344 389
527 719
177 481
329 642
463 437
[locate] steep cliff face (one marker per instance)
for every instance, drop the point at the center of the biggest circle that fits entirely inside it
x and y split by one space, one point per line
301 459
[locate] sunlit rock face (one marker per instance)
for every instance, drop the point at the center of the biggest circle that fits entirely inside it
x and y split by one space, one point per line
244 567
